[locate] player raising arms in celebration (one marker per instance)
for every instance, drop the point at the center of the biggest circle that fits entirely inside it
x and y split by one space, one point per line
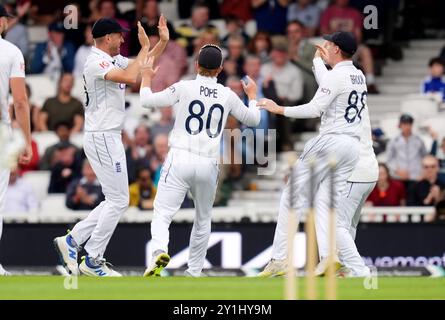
106 73
12 77
339 101
201 107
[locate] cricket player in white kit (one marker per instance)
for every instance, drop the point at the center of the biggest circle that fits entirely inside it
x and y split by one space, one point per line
12 78
340 101
106 74
360 184
201 109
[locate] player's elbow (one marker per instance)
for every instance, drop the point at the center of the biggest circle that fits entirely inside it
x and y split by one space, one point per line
21 104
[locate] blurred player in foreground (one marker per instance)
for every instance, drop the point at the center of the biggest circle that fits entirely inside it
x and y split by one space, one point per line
12 78
105 74
339 101
360 184
201 107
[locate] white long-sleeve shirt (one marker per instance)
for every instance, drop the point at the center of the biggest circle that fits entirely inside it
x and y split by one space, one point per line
339 101
201 108
366 169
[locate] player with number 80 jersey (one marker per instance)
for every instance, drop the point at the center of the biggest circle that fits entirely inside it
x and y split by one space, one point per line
201 109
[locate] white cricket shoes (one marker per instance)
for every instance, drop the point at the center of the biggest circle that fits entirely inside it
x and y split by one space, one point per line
97 268
67 254
275 268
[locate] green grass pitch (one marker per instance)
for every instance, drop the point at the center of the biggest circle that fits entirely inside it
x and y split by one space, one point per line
211 288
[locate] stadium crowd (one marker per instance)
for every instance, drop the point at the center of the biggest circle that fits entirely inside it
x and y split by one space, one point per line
278 57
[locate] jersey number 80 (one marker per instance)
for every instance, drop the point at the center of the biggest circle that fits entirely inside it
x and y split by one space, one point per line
352 102
198 117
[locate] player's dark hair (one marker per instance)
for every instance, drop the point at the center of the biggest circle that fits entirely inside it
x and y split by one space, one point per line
346 55
436 60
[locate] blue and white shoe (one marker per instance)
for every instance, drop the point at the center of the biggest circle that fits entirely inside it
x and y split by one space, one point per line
97 268
67 251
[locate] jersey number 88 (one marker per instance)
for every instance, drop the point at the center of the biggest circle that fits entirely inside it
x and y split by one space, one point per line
352 102
198 117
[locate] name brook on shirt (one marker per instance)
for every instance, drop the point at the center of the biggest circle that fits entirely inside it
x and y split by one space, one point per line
211 93
356 79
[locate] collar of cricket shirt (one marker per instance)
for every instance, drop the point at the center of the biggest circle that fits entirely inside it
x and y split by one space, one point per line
102 53
343 63
206 79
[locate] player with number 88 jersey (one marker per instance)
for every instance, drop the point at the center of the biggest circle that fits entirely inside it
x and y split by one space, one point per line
201 109
340 101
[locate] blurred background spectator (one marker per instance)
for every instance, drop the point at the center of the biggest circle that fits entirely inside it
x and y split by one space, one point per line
260 45
66 168
20 196
85 192
270 15
63 132
55 56
405 153
34 113
434 84
62 108
306 13
157 160
139 152
143 191
429 191
388 192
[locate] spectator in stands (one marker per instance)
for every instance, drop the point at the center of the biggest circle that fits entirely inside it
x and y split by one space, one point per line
438 153
139 152
149 19
234 61
266 89
240 9
405 153
165 124
17 32
62 108
54 56
288 81
33 109
306 13
63 131
261 45
287 77
199 22
85 192
161 151
429 191
20 196
234 27
342 17
388 192
172 63
143 191
301 53
107 9
434 84
205 37
83 52
270 15
65 169
378 141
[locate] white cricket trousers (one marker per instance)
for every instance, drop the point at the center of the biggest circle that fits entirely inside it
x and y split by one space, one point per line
348 217
106 154
182 172
4 182
345 150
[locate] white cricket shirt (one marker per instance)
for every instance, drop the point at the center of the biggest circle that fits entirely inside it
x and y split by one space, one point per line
104 100
12 65
367 169
201 109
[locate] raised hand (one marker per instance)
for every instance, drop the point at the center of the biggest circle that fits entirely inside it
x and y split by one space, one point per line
147 67
270 106
143 38
250 88
321 52
164 34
